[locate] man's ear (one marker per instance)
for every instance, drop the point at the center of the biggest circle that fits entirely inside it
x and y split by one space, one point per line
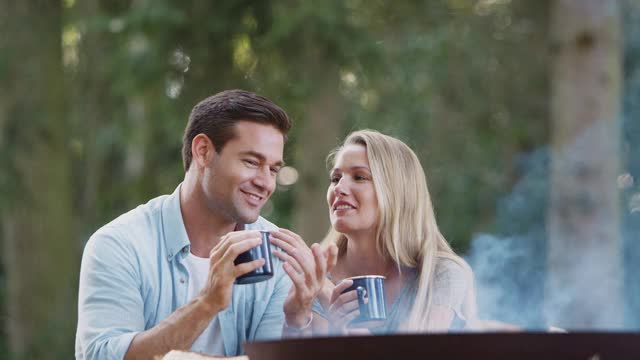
202 150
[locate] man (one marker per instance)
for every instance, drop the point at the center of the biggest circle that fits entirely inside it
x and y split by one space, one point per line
161 276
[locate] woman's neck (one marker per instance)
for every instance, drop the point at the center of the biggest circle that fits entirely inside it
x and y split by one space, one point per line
362 258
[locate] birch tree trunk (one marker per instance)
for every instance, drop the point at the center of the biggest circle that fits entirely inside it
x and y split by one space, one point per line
584 259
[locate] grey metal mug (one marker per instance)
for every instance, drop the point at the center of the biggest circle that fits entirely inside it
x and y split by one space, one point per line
263 251
370 287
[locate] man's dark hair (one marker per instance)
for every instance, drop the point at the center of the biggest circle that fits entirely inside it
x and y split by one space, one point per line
217 115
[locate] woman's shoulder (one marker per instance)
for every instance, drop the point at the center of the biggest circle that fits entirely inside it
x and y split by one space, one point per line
452 277
451 282
449 268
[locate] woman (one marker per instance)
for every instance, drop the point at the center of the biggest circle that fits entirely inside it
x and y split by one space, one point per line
383 223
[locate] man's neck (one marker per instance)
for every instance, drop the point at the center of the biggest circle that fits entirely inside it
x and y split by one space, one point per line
204 227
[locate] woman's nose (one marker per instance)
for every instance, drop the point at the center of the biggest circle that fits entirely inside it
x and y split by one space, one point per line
341 187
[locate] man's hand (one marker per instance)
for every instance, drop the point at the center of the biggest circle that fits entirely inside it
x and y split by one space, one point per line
180 329
223 272
307 268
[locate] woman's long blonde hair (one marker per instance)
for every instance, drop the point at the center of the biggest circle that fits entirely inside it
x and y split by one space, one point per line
407 231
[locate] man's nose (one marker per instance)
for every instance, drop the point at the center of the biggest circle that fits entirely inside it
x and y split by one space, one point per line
265 179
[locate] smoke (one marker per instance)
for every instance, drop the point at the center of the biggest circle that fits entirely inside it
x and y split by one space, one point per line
512 270
510 265
631 161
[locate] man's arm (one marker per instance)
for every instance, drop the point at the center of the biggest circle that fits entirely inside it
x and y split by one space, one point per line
177 332
182 328
111 307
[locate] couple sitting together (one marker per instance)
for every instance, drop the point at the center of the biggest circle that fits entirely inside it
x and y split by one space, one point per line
163 276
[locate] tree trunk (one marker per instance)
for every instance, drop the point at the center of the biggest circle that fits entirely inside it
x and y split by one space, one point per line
39 248
320 131
93 109
584 260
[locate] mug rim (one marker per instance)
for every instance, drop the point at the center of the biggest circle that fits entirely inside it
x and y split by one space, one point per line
364 277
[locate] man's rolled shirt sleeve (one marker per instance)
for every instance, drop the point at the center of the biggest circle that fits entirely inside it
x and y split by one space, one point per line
110 305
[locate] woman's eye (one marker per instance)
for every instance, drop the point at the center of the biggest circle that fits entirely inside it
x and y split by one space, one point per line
334 179
360 177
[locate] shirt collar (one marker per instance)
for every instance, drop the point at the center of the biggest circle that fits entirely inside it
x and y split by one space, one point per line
175 233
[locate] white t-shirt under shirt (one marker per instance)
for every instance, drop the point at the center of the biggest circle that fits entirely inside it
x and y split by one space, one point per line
210 341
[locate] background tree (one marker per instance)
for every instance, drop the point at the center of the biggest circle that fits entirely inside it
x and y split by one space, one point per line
39 243
314 44
95 96
630 206
584 218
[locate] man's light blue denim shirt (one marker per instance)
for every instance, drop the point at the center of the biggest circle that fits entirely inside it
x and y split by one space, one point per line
133 276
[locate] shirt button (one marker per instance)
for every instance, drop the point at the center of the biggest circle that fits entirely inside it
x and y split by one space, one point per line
182 280
184 251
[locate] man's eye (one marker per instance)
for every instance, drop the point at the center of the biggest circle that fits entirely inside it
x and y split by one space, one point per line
275 171
252 163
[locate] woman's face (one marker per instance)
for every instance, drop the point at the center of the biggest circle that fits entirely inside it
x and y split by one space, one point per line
353 205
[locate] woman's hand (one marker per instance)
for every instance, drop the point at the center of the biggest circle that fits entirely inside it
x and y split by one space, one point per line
324 296
497 326
342 309
307 268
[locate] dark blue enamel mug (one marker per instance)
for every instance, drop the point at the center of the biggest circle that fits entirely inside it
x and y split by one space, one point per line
371 288
263 251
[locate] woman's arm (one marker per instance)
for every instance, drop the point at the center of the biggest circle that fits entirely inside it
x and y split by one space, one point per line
440 318
452 287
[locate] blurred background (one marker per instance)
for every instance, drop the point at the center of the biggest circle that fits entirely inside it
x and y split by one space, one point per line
523 113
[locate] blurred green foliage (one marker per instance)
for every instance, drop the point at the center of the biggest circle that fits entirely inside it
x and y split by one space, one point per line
453 79
465 83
